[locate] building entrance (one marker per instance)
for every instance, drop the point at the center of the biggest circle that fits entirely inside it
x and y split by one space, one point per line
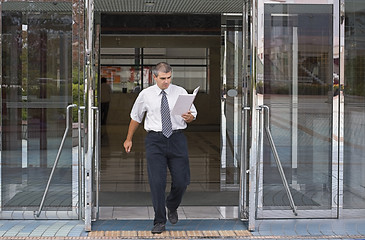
196 56
280 123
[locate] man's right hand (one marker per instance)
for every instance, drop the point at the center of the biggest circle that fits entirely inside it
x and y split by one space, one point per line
133 125
127 145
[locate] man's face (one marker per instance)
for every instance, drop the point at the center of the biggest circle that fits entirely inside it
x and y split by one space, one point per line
163 80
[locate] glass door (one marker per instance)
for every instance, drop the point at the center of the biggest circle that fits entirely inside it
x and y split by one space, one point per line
37 173
231 101
354 109
295 110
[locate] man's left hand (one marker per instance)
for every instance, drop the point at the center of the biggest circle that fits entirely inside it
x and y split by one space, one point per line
188 117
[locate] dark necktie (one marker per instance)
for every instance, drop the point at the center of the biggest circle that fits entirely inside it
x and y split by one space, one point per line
165 116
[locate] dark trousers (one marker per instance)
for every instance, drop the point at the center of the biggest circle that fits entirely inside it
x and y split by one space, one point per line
163 153
104 112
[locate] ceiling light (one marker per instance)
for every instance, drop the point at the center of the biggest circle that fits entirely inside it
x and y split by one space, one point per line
149 3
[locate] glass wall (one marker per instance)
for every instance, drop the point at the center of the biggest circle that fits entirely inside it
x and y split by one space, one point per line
354 90
36 89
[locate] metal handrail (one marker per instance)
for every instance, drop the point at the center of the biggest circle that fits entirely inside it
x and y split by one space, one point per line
38 213
277 159
80 163
97 162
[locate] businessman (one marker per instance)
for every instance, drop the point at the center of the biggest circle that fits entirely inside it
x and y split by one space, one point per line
165 143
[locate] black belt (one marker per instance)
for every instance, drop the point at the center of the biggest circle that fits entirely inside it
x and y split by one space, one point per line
159 132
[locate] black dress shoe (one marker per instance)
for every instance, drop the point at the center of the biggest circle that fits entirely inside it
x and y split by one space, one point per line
172 216
158 228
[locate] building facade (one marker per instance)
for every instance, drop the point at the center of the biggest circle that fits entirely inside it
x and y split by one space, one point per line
281 103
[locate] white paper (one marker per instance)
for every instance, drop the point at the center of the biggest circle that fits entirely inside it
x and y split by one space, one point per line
184 102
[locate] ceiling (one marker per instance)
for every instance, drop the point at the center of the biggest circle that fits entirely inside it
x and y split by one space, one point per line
134 6
170 6
150 6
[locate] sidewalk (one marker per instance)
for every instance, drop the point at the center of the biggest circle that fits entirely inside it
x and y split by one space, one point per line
185 229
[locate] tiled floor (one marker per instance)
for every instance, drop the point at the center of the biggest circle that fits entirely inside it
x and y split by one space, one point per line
146 213
122 172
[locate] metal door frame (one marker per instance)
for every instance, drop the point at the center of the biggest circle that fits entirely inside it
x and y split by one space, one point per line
89 111
92 116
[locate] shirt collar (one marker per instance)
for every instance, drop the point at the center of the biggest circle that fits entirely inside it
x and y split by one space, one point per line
167 90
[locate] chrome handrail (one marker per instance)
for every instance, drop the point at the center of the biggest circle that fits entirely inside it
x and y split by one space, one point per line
80 162
97 162
38 213
277 159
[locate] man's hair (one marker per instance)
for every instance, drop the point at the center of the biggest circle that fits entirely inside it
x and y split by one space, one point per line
161 67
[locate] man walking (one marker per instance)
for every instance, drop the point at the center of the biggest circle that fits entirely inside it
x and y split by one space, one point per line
165 143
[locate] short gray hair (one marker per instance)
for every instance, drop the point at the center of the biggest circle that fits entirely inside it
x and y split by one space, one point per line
161 67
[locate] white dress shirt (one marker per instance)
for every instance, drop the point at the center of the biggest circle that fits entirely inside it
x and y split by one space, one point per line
149 102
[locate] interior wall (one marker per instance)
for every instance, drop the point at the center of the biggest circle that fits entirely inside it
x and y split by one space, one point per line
207 104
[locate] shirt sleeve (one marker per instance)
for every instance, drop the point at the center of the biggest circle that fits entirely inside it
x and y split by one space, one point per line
138 109
193 111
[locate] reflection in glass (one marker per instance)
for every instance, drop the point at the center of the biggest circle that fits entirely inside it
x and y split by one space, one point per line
354 130
36 89
297 87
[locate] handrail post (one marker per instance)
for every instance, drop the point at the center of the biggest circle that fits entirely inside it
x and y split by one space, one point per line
38 213
277 159
81 163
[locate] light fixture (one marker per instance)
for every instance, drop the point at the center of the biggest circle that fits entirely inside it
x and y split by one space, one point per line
149 3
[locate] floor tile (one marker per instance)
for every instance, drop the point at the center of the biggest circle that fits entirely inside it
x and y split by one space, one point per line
228 212
301 228
276 228
313 228
361 227
350 226
338 227
130 213
202 212
326 228
289 228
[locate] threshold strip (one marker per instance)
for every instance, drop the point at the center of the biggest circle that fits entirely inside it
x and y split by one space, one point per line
173 234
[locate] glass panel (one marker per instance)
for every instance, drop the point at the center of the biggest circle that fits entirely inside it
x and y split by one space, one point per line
354 132
36 89
231 101
297 87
